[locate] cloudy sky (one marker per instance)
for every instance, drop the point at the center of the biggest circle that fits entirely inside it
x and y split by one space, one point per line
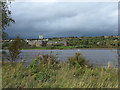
63 19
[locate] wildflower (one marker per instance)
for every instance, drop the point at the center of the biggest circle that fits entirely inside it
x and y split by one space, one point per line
42 52
99 69
86 66
32 56
49 61
40 57
109 64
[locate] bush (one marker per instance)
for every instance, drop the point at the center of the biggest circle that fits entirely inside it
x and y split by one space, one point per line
43 61
77 60
15 49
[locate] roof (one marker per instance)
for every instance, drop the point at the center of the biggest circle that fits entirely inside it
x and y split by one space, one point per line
53 42
63 42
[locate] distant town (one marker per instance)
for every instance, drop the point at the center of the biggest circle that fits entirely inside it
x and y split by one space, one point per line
72 42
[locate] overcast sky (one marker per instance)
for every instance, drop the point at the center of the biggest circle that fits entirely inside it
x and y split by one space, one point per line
63 19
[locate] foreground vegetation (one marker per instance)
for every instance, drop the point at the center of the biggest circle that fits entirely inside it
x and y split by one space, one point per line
47 72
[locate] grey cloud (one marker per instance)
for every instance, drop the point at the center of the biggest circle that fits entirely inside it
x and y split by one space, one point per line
75 19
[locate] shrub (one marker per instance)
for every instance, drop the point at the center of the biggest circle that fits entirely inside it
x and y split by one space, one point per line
77 60
15 49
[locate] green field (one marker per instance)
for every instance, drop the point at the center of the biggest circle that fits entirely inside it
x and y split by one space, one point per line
61 48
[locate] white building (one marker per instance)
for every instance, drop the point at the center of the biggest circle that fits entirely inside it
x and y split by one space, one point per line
45 40
40 36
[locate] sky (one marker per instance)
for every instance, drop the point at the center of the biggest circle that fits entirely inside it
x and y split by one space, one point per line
63 19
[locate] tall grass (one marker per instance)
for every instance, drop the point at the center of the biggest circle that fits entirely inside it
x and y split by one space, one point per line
47 72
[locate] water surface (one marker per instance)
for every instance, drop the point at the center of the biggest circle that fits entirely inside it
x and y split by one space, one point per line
95 56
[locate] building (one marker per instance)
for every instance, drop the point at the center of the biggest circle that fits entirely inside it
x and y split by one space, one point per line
37 43
27 40
32 43
65 43
40 36
50 42
106 36
45 39
116 36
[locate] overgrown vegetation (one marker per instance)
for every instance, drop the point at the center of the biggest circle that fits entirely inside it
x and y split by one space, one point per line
15 49
77 61
47 72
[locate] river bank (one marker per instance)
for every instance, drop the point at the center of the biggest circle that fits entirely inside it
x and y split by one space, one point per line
67 49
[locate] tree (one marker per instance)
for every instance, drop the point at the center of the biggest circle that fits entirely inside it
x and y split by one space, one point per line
15 49
6 17
82 36
77 60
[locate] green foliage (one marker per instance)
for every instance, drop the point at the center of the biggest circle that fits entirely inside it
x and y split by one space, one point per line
82 36
42 67
20 76
6 17
5 44
91 42
15 49
45 72
78 60
86 42
25 44
58 44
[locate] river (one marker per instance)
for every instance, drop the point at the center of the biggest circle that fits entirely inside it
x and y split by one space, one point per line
95 56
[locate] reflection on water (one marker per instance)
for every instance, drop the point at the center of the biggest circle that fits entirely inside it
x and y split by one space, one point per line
95 56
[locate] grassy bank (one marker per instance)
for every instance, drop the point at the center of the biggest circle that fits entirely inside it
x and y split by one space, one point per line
62 48
47 72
